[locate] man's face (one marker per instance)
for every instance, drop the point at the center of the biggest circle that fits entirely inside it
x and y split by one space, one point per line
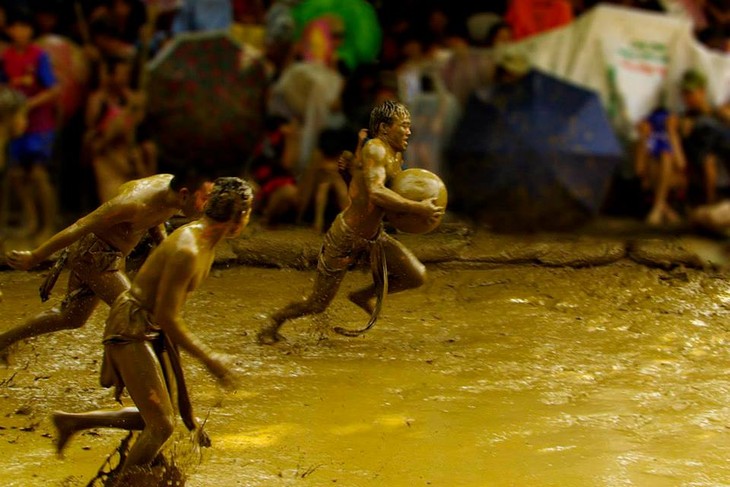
239 222
397 133
194 203
693 98
121 75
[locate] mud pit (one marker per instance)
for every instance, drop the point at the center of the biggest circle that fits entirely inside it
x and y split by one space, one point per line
517 375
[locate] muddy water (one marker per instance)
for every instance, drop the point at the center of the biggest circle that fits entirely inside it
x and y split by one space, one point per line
610 376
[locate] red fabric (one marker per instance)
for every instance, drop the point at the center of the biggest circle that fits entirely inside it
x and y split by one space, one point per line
529 17
27 72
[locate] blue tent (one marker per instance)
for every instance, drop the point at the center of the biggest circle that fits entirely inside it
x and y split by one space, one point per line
538 152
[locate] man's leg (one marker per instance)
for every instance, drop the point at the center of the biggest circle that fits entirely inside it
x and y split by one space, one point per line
709 168
405 272
664 180
69 423
325 288
66 317
47 202
18 180
154 414
143 377
105 285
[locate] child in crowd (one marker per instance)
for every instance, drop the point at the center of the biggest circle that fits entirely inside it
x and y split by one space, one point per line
660 163
270 168
27 69
113 114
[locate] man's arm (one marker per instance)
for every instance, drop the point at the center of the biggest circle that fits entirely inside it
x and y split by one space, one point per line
158 233
374 160
47 79
107 215
172 290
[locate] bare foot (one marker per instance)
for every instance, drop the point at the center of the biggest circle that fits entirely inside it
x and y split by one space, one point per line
64 427
270 335
366 302
655 217
671 216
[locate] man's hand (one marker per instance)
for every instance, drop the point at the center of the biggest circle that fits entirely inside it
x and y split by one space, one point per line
430 210
21 259
220 365
344 161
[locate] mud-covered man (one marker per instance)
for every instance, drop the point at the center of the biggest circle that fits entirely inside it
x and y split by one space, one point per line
358 228
98 244
145 329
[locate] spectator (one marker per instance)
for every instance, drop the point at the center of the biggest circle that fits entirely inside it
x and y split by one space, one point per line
323 177
660 163
27 68
112 115
500 33
705 137
434 113
270 168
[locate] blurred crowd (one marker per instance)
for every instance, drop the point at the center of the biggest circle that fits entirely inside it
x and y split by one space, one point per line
80 129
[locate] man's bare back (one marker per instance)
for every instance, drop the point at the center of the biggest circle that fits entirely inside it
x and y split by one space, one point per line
101 240
121 222
143 204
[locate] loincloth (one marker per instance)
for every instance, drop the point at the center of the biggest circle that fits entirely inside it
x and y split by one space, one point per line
89 253
342 248
129 322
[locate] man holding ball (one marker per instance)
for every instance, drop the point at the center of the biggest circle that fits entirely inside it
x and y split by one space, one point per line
358 228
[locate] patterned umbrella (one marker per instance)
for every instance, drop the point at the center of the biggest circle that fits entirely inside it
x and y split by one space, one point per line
206 100
539 153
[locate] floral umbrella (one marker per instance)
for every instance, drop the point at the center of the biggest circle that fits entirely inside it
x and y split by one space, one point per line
206 100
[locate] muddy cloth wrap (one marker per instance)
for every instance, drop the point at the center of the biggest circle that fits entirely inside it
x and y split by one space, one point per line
50 281
90 253
342 248
129 322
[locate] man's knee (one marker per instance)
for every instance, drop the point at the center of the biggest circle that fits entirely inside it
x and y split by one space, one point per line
68 319
38 172
419 277
162 429
318 304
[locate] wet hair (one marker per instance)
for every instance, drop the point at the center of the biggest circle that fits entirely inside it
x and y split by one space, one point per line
385 113
11 102
228 198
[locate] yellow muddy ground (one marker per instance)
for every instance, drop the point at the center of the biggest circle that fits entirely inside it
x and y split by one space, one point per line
512 376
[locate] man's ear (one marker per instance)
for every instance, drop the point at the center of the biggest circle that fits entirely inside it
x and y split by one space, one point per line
183 194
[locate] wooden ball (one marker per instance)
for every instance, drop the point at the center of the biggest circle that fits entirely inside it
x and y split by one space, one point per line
417 185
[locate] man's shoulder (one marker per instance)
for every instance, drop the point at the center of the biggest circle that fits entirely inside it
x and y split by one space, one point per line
374 148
